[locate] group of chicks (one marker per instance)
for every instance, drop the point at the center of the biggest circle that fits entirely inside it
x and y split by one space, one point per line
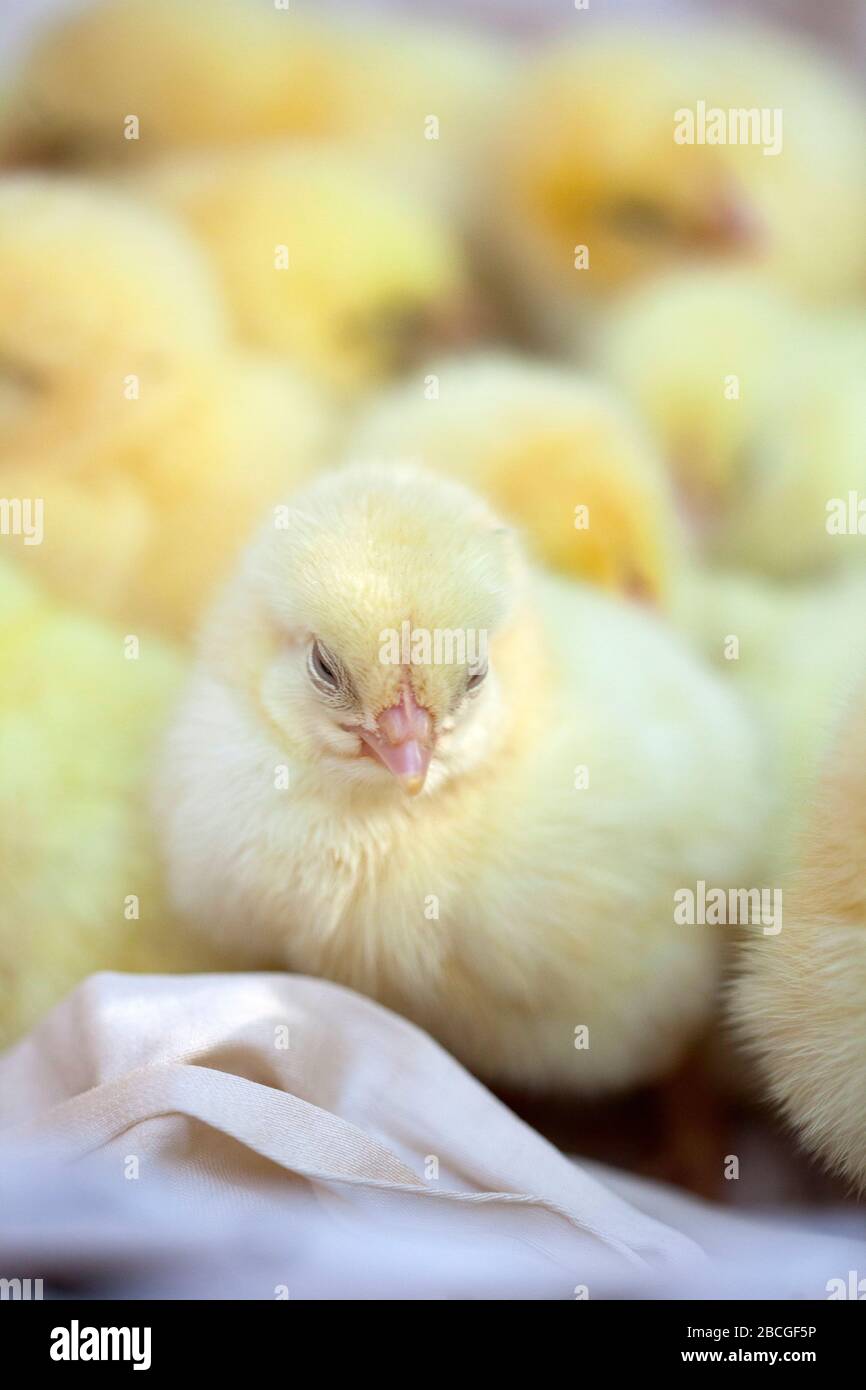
590 391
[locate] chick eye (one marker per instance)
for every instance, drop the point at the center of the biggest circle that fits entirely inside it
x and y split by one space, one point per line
323 667
476 679
639 218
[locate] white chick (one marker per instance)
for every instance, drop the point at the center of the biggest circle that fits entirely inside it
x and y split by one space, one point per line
488 842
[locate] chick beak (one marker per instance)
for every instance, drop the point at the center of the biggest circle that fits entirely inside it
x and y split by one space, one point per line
402 742
731 224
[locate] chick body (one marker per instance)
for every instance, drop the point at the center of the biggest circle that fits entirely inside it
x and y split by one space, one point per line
588 157
698 353
151 442
801 508
211 73
553 450
791 651
506 905
321 258
102 302
800 1000
81 884
757 407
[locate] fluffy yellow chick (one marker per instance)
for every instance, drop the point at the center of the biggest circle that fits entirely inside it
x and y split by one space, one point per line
80 887
698 353
224 72
149 442
102 303
789 650
468 789
248 428
193 73
320 258
595 153
758 408
554 451
799 506
800 1003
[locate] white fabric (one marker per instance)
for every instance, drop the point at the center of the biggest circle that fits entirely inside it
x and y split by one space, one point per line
188 1153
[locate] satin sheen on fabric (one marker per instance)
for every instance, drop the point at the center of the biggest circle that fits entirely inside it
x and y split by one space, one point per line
266 1136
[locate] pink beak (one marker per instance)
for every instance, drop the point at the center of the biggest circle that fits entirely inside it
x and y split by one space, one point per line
732 224
402 741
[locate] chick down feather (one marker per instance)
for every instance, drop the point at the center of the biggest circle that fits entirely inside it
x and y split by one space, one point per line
575 782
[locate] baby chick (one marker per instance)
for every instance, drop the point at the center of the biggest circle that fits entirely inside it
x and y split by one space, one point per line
81 888
102 302
210 73
196 73
466 788
757 406
125 409
697 352
553 450
788 650
588 157
320 258
800 504
800 1002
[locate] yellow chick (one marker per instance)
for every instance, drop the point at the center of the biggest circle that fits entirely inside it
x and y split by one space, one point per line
697 352
412 764
800 1002
799 507
80 887
554 451
102 303
229 72
789 650
248 428
320 258
629 152
758 408
123 79
150 444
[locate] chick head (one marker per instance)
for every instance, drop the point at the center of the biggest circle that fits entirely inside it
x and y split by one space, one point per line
102 303
589 159
697 351
193 73
320 258
554 451
364 625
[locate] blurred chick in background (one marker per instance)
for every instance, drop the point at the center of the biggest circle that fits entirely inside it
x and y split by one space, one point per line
78 721
95 290
209 73
788 650
153 443
697 353
320 257
502 902
800 509
800 1002
586 156
553 450
758 408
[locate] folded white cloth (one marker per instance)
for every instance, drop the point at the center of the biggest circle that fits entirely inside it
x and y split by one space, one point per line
265 1136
